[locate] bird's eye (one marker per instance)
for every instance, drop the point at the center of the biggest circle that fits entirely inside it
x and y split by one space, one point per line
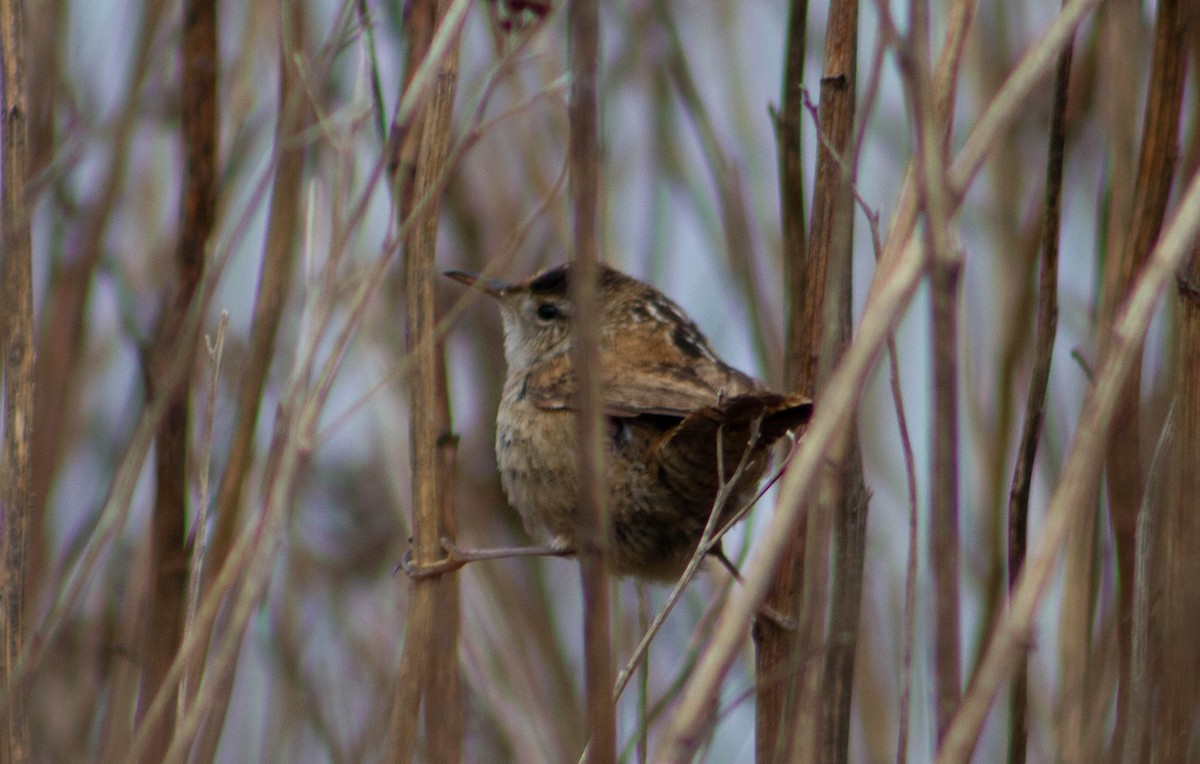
548 311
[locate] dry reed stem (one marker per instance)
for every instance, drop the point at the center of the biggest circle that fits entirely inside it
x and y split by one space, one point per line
910 568
169 552
1035 405
1079 473
1127 249
891 291
116 506
403 159
591 520
830 566
1178 657
821 658
776 652
850 535
838 105
932 135
428 675
788 123
115 509
910 473
1156 167
16 344
254 552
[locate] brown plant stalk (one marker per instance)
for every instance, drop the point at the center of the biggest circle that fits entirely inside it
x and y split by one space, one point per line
1035 406
1127 255
583 33
822 652
932 138
278 264
776 652
169 566
428 675
1178 657
838 108
1156 668
16 344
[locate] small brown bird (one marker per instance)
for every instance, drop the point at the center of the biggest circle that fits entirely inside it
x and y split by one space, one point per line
669 402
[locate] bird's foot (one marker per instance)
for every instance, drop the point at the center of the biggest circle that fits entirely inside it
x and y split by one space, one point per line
454 559
457 558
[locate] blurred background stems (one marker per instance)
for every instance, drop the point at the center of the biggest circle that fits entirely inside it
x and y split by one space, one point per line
302 644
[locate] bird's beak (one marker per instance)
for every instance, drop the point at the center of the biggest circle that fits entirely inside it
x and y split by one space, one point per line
497 289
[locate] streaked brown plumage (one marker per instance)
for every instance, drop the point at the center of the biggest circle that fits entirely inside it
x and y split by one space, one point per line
665 395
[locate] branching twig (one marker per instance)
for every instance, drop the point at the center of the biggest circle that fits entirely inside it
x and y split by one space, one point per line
709 538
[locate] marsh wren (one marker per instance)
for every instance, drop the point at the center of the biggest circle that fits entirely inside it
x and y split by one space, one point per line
674 412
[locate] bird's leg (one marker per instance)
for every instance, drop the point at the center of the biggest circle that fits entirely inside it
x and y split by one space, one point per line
766 611
456 558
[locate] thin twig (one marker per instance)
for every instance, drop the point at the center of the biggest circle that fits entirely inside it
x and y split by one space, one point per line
1047 323
198 536
709 538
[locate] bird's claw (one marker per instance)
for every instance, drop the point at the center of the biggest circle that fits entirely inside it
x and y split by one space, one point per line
450 563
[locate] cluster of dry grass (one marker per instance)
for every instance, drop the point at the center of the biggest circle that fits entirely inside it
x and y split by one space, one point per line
236 392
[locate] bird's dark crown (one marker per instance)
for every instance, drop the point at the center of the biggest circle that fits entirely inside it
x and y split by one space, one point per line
556 282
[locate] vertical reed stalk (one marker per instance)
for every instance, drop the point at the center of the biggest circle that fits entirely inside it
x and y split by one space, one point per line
583 33
429 678
776 652
1035 406
169 566
16 344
